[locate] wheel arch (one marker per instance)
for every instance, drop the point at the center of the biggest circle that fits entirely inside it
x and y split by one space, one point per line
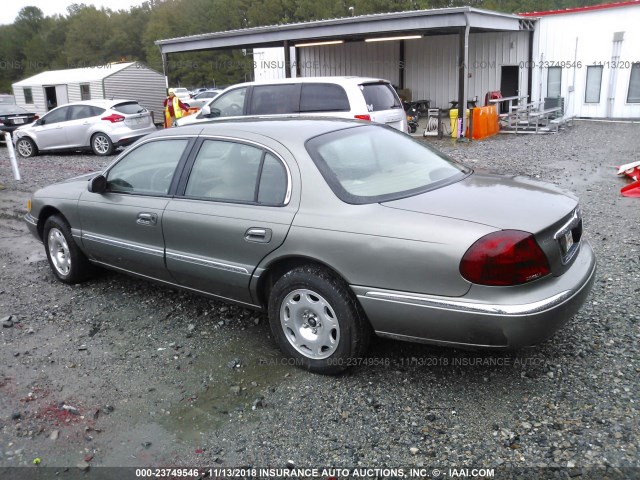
279 266
45 213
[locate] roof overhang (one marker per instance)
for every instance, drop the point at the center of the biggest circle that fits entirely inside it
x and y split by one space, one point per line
423 22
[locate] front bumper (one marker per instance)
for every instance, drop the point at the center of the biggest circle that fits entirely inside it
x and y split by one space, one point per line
32 225
492 317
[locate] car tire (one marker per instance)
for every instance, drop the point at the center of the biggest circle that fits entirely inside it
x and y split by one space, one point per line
26 147
67 261
101 144
316 320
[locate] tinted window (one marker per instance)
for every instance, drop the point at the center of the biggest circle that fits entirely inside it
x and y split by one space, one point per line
81 111
56 116
380 96
28 95
85 91
323 97
230 104
225 171
554 81
147 169
633 96
274 99
129 107
372 164
273 182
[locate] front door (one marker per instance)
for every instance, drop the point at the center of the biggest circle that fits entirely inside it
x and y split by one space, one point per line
509 83
49 130
123 227
234 211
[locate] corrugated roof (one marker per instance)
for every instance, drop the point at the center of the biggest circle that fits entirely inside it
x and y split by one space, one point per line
74 75
589 8
372 17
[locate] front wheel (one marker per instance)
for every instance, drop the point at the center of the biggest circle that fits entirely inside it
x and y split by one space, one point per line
68 263
101 144
26 147
315 320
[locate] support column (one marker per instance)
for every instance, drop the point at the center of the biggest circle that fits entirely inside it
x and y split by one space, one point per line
463 73
287 60
401 65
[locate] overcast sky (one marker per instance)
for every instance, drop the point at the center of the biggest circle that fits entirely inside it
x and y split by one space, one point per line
9 8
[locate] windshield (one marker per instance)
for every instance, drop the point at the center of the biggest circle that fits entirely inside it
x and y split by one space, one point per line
375 163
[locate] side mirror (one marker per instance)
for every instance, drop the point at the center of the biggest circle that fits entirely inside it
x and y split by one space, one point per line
41 121
98 184
205 111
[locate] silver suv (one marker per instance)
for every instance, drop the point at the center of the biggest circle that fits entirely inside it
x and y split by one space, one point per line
365 98
99 125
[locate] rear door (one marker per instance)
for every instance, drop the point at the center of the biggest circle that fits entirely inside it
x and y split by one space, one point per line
236 207
275 99
383 104
123 227
80 119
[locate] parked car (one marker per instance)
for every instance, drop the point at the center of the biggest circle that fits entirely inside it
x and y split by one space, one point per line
7 99
99 125
344 97
13 116
336 228
202 98
182 93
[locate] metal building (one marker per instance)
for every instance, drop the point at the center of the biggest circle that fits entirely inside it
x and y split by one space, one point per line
131 81
590 58
442 55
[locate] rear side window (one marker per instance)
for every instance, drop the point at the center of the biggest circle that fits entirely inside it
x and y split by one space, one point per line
380 96
273 182
128 108
323 97
274 99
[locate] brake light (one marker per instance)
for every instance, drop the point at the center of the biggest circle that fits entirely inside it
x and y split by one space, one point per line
36 117
113 118
363 117
508 257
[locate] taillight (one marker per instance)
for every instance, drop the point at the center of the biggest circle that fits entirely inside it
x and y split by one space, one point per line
113 118
508 257
363 117
36 117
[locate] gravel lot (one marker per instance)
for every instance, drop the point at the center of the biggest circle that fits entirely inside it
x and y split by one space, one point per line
156 377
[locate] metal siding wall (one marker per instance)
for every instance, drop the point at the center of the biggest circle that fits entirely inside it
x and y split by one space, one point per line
375 59
37 92
73 92
139 83
556 41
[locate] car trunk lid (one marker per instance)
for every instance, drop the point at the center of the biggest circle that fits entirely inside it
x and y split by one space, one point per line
516 203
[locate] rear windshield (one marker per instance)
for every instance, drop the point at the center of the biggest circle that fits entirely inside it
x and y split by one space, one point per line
7 109
376 163
129 108
380 96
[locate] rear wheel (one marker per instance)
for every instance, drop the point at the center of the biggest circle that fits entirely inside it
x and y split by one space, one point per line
315 319
67 261
26 147
101 144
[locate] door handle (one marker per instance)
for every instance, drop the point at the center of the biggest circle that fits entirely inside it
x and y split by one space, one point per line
147 219
258 235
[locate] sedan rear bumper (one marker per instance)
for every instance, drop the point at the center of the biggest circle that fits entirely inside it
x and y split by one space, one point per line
479 319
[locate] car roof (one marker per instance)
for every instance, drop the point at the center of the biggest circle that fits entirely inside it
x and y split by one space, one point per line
100 102
338 79
276 128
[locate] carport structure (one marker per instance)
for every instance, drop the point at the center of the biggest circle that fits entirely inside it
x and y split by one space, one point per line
439 54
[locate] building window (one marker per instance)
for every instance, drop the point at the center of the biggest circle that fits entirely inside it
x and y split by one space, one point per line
85 92
634 84
594 82
554 81
28 95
